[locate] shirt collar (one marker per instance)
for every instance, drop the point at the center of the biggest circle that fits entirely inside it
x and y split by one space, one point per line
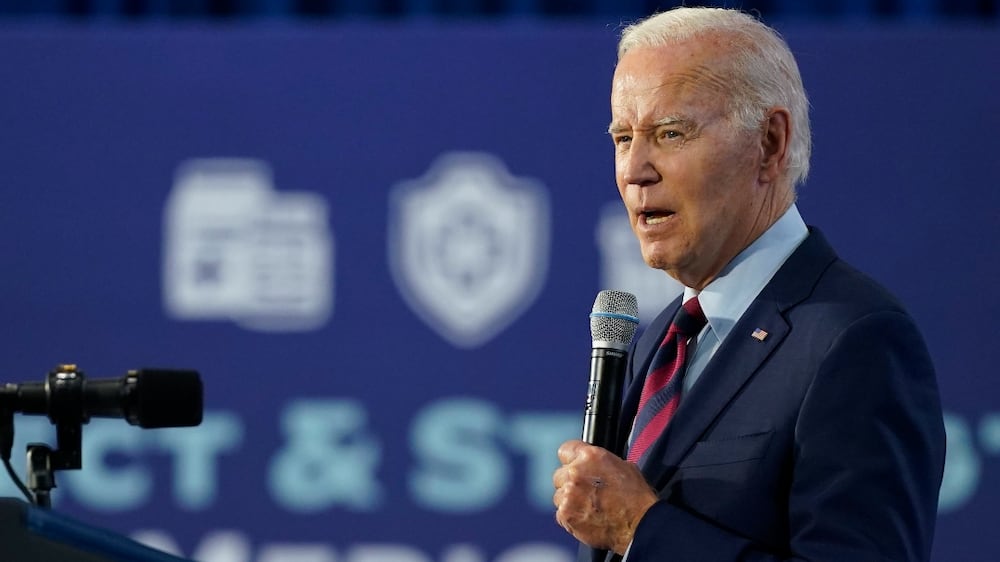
729 295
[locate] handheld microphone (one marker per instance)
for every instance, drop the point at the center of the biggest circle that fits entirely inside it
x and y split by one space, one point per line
149 398
612 326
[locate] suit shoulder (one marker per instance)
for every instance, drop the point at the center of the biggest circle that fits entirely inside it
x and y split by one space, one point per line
851 293
815 278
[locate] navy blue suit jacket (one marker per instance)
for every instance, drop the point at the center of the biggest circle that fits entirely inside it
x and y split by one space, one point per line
823 441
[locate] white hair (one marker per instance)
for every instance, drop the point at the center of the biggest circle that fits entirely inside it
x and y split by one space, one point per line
763 72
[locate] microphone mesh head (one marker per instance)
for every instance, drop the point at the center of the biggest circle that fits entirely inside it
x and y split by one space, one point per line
614 318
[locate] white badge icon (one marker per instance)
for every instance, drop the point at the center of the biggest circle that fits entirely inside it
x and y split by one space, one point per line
234 248
622 266
469 245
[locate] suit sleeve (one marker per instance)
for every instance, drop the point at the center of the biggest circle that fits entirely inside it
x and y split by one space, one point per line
867 461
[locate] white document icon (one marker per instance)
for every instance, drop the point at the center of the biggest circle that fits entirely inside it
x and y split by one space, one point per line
235 248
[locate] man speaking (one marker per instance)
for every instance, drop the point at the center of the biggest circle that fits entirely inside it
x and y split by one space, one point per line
785 408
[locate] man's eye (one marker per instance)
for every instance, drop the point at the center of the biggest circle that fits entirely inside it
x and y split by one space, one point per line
670 134
622 139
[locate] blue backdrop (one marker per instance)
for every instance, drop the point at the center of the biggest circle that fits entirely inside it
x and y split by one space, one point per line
379 245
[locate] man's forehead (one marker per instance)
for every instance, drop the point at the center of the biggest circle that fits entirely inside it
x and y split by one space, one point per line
696 79
687 64
700 63
653 98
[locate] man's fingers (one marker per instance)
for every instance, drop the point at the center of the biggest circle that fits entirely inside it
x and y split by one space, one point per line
569 450
561 476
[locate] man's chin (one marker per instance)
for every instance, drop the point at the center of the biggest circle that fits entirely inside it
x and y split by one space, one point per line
659 262
657 256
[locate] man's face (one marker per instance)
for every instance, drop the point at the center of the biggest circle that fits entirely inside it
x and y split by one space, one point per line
687 174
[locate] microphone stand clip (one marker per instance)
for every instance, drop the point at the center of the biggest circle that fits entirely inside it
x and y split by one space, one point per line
65 387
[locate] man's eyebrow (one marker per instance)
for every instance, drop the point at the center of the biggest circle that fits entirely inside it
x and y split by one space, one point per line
618 128
663 121
669 120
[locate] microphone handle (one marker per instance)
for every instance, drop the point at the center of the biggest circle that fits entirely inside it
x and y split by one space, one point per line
604 398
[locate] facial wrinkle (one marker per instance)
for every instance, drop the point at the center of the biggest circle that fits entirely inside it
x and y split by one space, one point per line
701 80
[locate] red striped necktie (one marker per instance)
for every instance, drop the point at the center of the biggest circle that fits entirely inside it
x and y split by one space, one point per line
661 391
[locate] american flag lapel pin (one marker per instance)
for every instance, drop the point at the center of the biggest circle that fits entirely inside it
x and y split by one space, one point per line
759 334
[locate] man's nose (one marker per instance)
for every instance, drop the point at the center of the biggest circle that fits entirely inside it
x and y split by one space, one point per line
638 168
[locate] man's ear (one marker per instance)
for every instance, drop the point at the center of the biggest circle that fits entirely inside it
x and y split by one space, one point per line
776 133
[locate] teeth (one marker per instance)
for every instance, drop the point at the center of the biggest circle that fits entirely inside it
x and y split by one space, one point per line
656 219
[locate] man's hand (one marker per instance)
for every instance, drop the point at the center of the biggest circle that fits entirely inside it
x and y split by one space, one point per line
599 497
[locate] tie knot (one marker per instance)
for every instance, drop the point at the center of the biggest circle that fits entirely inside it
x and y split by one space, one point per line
690 319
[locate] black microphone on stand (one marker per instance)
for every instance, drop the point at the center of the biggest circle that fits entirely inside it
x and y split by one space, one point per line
613 322
149 398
